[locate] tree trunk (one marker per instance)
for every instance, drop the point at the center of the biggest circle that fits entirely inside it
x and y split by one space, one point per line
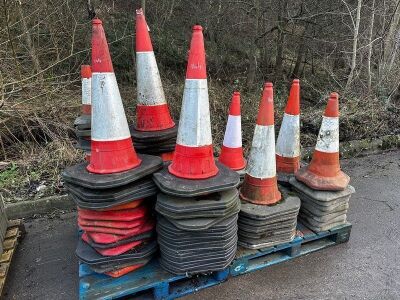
300 56
355 41
371 32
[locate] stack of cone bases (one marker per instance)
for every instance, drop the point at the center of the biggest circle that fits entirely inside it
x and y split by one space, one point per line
323 188
288 142
267 217
232 151
112 191
199 205
154 131
82 123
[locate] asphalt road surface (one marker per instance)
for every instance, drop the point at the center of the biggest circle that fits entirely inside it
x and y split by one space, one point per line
367 267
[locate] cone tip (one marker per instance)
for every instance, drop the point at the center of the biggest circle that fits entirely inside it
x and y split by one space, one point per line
334 95
86 71
296 81
236 93
332 108
96 21
197 28
139 11
268 84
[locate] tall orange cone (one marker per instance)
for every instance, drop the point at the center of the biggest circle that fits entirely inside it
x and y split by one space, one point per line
86 77
232 151
260 183
152 111
323 172
288 142
111 147
193 158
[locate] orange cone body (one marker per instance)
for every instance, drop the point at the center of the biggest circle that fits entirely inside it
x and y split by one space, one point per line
111 146
232 151
86 77
323 172
260 184
193 157
288 142
152 111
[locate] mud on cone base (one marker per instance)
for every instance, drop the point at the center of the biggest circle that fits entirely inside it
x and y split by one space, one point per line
260 191
172 185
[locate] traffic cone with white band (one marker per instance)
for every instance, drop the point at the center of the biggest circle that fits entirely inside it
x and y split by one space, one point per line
323 172
193 158
111 146
260 183
152 111
86 75
232 151
288 142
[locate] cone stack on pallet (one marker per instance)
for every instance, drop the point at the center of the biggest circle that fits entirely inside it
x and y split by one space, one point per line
199 204
113 192
323 188
154 131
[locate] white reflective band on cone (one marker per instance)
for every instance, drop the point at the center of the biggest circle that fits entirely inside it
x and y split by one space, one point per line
86 91
194 124
328 137
233 132
261 162
150 90
108 115
288 143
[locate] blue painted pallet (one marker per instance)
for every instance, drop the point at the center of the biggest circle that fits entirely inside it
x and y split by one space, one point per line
152 281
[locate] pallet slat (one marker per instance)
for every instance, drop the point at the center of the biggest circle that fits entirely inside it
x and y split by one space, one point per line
152 281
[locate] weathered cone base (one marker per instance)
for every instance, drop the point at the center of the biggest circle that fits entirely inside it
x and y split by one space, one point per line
172 185
79 175
317 182
147 137
263 243
260 191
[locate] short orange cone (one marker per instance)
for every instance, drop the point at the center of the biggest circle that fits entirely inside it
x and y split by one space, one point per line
86 77
232 151
152 111
193 157
323 172
288 142
260 183
111 146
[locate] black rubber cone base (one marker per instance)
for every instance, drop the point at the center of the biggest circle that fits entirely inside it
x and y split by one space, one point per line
275 220
83 132
186 236
289 204
153 136
266 228
267 242
97 199
83 122
114 266
138 237
83 144
90 256
215 204
156 150
318 227
79 175
172 185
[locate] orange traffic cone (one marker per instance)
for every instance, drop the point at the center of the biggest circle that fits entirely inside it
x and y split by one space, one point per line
193 157
323 172
260 183
111 146
232 151
86 75
288 142
152 111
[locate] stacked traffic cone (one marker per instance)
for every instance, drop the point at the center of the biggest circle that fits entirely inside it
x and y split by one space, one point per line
266 218
232 151
82 123
112 191
288 142
323 188
154 131
199 205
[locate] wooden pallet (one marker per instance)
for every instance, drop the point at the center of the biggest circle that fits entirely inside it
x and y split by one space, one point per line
15 231
152 281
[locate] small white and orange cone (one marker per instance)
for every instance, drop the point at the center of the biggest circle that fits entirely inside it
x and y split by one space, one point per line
193 157
323 172
111 146
86 77
288 142
152 111
260 184
232 151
